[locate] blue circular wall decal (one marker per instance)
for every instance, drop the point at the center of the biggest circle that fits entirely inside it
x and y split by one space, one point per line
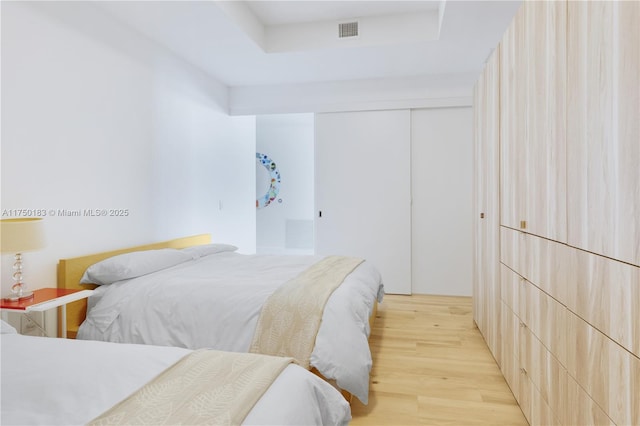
274 187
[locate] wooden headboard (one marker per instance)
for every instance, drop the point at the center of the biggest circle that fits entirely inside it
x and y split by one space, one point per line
70 272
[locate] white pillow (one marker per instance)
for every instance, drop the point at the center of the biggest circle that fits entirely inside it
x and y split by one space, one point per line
7 329
131 265
204 250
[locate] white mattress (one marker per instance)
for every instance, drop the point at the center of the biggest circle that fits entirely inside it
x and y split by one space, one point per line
214 302
49 381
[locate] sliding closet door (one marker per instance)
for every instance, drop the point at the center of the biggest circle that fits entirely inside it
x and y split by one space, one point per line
442 195
363 190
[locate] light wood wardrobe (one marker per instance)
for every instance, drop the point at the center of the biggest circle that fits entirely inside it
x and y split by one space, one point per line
557 211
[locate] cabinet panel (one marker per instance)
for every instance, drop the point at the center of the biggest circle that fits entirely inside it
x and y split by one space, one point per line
606 293
603 130
606 371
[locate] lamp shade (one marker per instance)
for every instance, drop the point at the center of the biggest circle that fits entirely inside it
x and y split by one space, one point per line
20 235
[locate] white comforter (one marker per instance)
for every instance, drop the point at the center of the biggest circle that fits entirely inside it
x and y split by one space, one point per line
68 382
214 302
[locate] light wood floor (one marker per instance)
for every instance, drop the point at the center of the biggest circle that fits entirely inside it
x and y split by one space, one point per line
431 366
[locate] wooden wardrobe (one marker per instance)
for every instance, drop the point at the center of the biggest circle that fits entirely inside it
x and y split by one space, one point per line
557 211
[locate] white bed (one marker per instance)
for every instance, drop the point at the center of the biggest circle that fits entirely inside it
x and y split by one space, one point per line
48 381
214 299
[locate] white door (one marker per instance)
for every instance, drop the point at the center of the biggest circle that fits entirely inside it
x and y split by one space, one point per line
363 190
442 211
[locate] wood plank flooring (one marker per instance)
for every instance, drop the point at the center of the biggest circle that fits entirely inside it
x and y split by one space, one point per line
431 366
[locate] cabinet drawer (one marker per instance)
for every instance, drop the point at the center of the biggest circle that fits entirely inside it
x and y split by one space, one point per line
547 264
510 344
526 388
606 294
541 412
606 371
509 288
547 375
581 409
546 318
510 249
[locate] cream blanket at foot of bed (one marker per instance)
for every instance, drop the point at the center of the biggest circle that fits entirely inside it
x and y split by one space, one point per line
291 316
204 387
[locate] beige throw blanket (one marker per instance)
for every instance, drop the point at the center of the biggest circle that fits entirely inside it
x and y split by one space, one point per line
290 318
204 387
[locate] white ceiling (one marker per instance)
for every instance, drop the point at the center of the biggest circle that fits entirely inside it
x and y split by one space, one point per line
289 12
241 43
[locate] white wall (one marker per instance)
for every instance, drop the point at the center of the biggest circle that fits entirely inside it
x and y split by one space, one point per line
441 176
287 139
203 165
97 117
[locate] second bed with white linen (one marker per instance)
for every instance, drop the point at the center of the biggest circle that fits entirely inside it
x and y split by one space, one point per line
214 300
48 381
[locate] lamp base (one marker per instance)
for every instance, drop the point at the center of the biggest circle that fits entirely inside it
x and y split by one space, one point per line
23 296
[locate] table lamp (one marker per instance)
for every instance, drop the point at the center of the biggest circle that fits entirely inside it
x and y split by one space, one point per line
17 236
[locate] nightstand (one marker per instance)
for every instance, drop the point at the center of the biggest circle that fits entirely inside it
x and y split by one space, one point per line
44 299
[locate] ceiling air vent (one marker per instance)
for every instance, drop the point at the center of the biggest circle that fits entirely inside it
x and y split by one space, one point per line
348 29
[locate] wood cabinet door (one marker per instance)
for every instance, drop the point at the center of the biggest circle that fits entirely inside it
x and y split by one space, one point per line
545 65
603 122
486 205
479 313
512 126
533 105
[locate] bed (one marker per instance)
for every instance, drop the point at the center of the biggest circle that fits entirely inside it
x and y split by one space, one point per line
214 299
67 382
